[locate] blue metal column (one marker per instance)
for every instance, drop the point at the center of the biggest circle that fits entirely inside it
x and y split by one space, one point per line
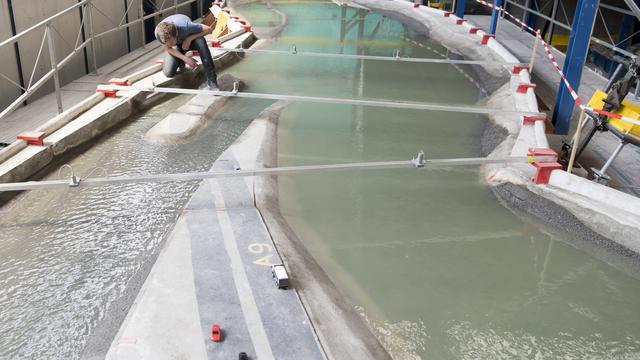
574 62
531 17
460 4
494 17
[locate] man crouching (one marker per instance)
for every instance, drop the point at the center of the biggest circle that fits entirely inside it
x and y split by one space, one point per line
179 34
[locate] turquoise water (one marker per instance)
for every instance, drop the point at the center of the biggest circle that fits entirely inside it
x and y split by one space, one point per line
431 259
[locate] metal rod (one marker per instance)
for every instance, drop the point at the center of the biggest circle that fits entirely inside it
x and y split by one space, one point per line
617 9
144 36
41 23
533 52
92 37
414 163
325 100
615 154
54 66
554 11
368 57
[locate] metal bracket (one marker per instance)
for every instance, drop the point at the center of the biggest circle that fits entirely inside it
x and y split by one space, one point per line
236 88
74 181
396 54
419 160
294 50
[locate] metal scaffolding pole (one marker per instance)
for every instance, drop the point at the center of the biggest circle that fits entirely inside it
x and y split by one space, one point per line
418 162
325 100
396 57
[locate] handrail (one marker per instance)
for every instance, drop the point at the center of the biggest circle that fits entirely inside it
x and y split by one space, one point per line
56 65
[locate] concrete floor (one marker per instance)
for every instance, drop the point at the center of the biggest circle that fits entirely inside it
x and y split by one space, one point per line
626 169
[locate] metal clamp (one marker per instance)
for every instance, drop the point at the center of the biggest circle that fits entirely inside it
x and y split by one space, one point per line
419 160
396 54
236 88
294 50
74 181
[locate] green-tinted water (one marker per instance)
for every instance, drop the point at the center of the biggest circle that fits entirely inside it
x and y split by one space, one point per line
432 260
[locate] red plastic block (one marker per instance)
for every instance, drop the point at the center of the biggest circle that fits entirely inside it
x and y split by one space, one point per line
120 82
517 68
106 91
523 87
460 21
543 172
159 61
473 30
215 43
247 28
447 13
530 120
416 5
195 53
227 10
32 137
486 37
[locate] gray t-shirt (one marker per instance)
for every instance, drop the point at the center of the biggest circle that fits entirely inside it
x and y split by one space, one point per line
184 25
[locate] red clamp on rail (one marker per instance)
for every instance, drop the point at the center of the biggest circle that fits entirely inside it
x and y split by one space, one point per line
106 90
473 30
32 137
235 17
531 120
215 43
517 68
247 28
416 5
447 13
216 333
195 53
119 82
460 21
227 10
545 161
486 37
159 61
523 87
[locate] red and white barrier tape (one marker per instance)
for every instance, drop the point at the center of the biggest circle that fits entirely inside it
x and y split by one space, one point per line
553 61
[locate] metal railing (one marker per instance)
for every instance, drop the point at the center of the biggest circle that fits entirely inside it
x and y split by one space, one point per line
87 27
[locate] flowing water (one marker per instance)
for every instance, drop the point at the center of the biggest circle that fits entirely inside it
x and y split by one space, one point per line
430 258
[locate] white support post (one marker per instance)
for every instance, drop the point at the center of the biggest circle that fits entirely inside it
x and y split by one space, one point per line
54 66
536 38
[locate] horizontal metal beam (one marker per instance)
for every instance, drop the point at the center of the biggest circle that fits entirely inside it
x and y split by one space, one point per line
397 57
326 100
617 9
418 162
567 27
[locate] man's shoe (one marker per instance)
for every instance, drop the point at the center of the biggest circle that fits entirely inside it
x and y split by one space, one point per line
213 86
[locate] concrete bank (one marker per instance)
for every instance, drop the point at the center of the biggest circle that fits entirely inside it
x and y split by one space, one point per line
96 114
605 211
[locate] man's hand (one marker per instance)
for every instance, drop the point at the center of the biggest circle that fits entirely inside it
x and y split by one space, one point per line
190 62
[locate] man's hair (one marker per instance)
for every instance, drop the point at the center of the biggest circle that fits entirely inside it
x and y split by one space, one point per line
166 31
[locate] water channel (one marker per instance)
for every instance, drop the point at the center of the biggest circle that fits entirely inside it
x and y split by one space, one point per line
432 260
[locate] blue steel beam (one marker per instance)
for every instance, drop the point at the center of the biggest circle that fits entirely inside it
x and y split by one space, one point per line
494 17
531 17
574 62
460 5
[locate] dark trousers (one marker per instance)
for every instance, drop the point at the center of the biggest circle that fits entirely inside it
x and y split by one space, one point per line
171 63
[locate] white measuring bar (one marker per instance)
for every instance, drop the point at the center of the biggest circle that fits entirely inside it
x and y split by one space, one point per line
326 100
418 162
396 57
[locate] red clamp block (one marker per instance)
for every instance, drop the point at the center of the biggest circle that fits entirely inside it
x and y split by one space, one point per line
120 82
545 161
486 37
247 28
523 87
159 61
235 17
416 5
32 137
473 30
216 333
227 10
460 21
447 13
517 68
195 53
107 91
531 120
215 43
